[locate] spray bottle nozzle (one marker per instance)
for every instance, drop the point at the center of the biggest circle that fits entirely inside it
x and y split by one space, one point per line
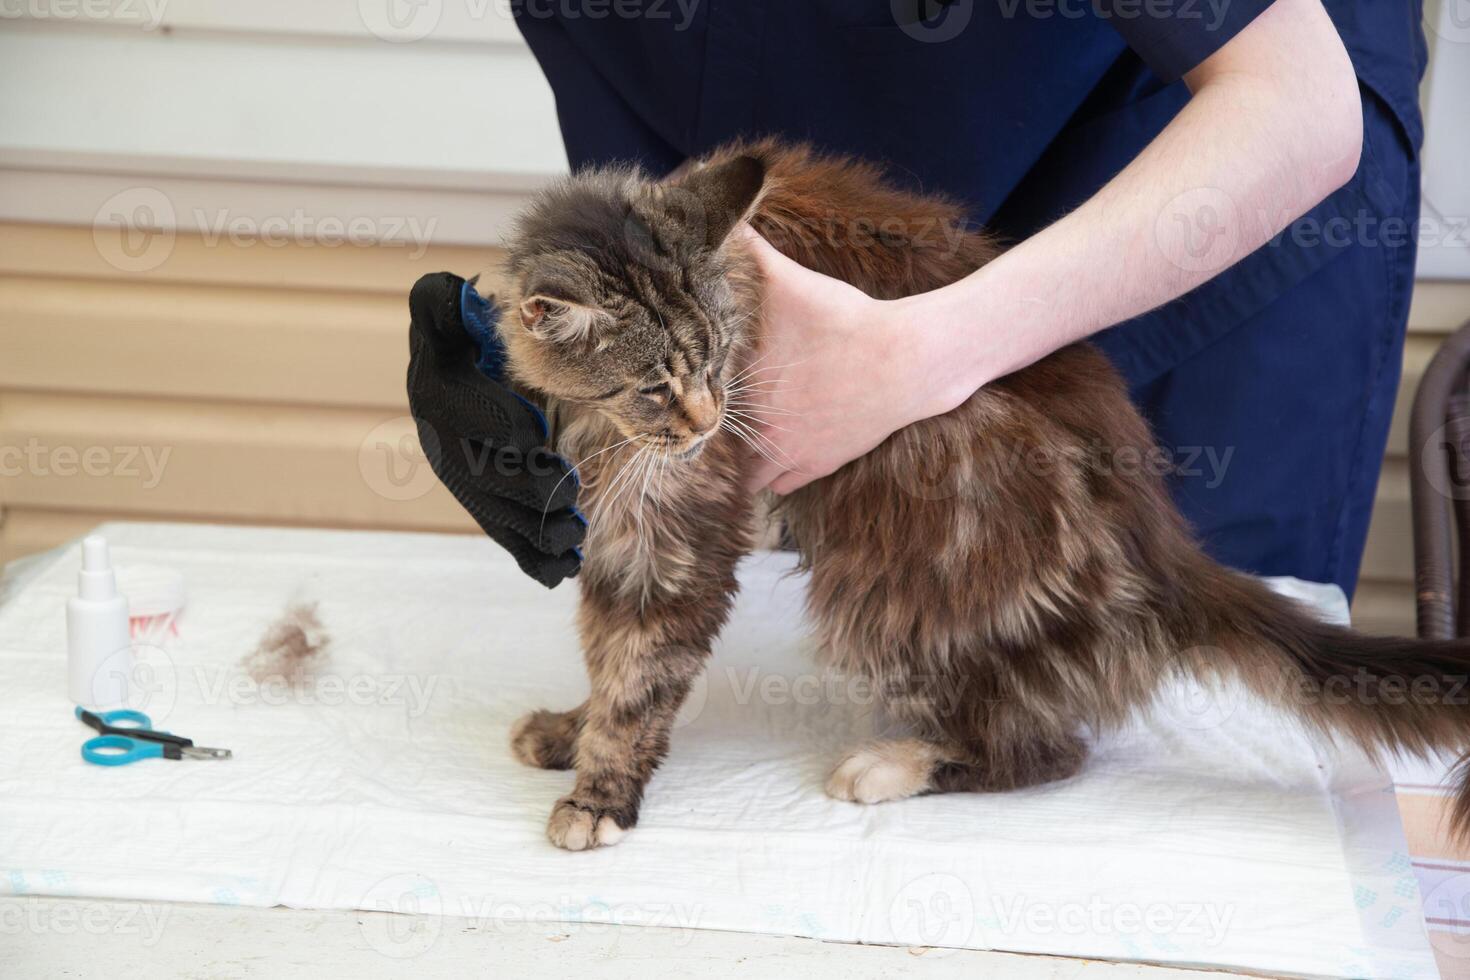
95 580
94 554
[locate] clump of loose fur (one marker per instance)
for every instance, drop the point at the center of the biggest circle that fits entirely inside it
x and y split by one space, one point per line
1034 588
293 647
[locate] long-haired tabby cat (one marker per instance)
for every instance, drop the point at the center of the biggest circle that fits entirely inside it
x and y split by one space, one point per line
1047 585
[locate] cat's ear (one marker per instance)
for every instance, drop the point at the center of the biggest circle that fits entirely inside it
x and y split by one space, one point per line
555 304
726 193
558 320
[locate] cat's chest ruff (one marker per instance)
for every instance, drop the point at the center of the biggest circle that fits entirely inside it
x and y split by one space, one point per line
639 552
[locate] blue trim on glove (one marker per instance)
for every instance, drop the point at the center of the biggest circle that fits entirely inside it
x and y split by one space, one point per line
481 316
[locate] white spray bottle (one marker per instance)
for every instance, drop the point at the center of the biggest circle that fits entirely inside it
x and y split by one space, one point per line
97 637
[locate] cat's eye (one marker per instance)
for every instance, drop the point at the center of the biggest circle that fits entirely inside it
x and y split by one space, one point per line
660 391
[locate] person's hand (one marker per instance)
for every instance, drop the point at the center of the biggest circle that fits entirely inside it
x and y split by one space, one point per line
485 442
839 372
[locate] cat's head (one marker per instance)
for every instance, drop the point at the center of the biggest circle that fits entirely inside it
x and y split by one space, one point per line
626 298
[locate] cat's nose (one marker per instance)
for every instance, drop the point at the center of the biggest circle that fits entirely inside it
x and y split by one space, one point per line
701 411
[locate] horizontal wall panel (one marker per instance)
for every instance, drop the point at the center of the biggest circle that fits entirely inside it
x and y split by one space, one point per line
152 457
1384 608
1389 552
165 339
1439 306
241 98
327 209
54 250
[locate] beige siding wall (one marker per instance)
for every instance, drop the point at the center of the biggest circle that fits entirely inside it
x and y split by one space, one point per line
256 383
264 383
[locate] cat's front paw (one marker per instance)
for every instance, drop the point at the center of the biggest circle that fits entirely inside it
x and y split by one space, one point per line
545 739
578 827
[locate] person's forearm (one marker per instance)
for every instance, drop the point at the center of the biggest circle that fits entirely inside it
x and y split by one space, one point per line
1273 127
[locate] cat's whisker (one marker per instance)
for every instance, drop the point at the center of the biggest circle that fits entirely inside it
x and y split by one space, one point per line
754 384
751 384
762 389
653 460
591 456
756 420
744 317
656 464
645 467
747 405
632 503
575 466
754 448
763 417
643 503
640 462
618 483
757 398
750 438
751 370
754 415
627 497
753 377
788 462
650 484
749 367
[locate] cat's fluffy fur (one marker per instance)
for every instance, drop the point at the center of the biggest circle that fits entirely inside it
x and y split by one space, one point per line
996 570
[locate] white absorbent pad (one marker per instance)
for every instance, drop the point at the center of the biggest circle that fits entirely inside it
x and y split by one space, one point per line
1214 833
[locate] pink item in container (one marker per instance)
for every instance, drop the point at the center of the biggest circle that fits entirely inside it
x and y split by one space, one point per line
155 600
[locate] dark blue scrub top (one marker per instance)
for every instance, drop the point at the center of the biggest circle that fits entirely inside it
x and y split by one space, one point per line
1020 108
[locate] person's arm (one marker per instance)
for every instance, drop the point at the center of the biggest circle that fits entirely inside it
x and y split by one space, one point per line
1274 125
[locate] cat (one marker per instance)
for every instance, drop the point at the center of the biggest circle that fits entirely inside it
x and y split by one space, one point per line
1003 579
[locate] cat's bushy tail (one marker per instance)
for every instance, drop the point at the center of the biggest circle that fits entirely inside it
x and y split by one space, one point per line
1385 693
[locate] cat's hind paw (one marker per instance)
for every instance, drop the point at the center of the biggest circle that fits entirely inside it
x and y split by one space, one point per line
545 739
881 772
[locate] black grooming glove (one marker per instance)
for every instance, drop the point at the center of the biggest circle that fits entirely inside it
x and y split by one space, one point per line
484 441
